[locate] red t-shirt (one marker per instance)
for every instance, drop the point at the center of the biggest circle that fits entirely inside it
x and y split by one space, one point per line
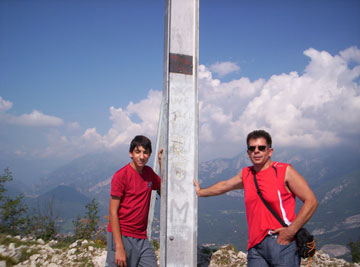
272 186
134 190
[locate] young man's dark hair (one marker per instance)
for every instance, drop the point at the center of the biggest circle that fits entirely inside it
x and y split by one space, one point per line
258 134
140 140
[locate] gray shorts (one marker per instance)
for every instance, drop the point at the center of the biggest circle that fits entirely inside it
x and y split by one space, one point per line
139 252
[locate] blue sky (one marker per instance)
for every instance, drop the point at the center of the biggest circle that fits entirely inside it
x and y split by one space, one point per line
83 76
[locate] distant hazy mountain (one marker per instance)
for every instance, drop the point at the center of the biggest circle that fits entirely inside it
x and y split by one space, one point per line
27 171
63 203
90 175
333 175
63 193
82 173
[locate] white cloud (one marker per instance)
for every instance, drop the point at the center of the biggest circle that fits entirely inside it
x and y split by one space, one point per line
122 131
351 54
5 105
319 108
73 126
36 118
224 68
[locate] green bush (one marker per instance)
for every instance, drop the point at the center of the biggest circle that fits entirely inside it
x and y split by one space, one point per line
156 244
355 250
42 222
13 219
86 227
6 177
42 227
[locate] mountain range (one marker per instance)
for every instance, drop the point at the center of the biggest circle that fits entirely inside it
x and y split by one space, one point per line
332 174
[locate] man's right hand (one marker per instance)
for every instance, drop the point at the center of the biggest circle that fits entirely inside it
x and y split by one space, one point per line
120 257
197 188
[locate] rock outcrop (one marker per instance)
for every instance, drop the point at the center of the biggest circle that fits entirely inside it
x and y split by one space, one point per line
228 256
21 252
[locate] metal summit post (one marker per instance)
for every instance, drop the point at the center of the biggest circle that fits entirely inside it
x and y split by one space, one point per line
178 135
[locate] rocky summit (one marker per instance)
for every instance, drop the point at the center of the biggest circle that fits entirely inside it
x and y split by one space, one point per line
26 251
21 252
228 256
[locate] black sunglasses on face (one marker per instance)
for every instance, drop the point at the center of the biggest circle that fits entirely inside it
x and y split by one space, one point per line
261 148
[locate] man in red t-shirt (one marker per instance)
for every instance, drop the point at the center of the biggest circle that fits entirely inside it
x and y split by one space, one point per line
270 244
131 189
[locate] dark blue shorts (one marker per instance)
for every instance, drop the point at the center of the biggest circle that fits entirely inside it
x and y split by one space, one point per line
139 252
270 253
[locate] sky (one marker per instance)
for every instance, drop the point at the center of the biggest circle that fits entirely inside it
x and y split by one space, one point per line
79 77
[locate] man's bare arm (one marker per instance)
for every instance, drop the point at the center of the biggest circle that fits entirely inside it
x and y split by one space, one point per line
220 187
120 254
298 185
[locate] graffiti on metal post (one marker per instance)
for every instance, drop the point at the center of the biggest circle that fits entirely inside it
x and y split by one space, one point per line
176 182
174 208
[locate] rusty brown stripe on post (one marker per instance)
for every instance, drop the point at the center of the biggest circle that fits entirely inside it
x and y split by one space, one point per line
181 64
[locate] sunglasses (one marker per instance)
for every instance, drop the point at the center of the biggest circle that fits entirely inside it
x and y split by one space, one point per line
261 148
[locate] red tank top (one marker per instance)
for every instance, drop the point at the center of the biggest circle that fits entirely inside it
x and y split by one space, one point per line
272 186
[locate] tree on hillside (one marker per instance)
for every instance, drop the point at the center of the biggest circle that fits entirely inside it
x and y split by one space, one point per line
6 177
86 227
13 219
42 222
355 250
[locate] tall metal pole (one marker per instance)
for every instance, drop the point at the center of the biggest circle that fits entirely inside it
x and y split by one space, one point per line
179 134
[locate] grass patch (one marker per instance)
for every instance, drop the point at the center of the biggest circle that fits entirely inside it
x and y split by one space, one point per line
99 243
85 262
61 245
230 247
156 244
27 252
9 261
6 241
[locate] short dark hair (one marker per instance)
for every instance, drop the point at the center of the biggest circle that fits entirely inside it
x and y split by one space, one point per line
258 134
140 140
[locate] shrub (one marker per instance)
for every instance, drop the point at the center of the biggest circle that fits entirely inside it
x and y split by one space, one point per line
86 227
355 250
13 219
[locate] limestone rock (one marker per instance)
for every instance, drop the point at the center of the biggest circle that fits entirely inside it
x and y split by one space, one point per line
86 253
40 241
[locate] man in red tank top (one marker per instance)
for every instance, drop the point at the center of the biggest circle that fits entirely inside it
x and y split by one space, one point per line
270 244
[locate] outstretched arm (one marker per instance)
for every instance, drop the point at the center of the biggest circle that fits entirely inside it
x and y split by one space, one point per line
297 185
220 187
